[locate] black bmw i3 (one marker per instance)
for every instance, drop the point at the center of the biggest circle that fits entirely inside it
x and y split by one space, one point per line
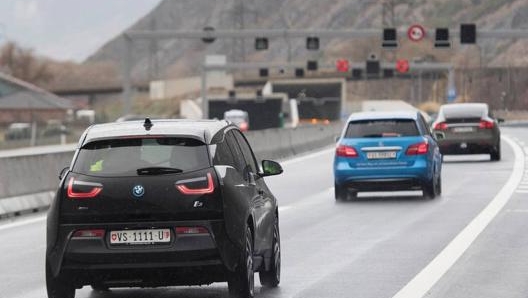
161 203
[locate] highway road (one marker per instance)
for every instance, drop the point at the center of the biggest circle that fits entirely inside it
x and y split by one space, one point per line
470 242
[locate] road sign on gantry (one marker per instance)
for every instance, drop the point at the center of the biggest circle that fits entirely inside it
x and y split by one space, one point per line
342 65
402 65
416 32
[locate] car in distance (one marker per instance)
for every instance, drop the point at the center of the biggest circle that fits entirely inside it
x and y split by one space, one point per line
467 128
160 203
18 131
387 151
239 118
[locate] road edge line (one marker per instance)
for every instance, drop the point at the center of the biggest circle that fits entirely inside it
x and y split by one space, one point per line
424 281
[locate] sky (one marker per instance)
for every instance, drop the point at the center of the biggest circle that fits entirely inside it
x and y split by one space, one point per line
68 29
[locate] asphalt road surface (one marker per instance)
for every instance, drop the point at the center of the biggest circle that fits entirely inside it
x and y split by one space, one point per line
470 242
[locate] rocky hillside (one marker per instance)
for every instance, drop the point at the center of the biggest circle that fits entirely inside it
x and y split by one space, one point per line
177 58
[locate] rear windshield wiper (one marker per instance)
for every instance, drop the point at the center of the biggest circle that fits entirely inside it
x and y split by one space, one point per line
158 171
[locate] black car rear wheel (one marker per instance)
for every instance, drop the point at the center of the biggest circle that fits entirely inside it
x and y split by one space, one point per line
340 192
431 189
271 278
241 283
343 194
495 154
58 287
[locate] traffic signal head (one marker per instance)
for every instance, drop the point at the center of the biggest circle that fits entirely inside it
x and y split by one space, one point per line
373 67
342 65
388 73
356 73
312 43
299 72
390 38
442 38
261 43
311 65
468 33
263 72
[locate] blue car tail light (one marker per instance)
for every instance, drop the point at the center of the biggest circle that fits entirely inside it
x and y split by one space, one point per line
346 151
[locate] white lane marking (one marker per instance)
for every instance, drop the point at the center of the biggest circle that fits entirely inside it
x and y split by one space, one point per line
521 191
431 274
22 222
308 156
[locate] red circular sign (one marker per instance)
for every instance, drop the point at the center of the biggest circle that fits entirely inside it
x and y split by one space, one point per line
416 32
402 65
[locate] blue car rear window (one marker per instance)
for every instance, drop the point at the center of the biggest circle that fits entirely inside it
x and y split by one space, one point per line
382 128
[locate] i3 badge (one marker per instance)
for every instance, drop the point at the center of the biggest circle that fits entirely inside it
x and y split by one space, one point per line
138 191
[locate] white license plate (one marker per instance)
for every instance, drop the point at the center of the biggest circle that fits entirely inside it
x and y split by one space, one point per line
462 129
381 155
150 236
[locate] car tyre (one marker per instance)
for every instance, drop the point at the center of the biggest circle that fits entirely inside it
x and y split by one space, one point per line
430 189
241 283
58 287
340 193
495 155
271 278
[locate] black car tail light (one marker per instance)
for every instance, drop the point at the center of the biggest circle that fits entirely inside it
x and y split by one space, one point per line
346 151
83 190
191 230
418 149
92 233
196 186
486 124
440 126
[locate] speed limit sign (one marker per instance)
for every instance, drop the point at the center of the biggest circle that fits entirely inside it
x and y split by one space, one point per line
416 32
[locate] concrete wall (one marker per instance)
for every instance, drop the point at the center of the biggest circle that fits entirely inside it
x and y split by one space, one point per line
29 177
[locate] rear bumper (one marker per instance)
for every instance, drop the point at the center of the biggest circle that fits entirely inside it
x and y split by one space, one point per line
473 146
387 184
383 179
187 260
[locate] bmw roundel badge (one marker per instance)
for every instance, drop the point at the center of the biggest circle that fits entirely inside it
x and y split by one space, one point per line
138 191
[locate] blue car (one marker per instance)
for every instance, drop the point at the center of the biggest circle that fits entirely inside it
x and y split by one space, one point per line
387 151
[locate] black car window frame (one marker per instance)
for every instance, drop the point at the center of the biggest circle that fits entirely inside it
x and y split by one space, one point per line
249 157
239 163
223 155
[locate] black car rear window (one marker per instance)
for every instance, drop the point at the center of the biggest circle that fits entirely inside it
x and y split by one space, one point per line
125 156
467 112
382 128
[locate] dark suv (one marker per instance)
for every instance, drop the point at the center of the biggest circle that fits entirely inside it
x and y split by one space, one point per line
161 203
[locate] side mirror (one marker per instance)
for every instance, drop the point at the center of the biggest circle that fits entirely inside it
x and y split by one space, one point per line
270 168
63 172
500 120
439 135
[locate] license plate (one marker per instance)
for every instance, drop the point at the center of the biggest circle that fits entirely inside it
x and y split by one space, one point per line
381 155
150 236
462 129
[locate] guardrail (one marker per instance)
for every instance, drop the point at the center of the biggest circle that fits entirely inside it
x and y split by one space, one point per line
29 176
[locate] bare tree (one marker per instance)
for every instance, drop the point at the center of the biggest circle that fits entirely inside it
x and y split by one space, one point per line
23 64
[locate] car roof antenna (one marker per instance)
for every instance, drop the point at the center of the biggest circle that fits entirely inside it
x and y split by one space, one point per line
148 124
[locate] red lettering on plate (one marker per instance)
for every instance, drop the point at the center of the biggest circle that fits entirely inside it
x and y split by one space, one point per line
167 235
114 237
